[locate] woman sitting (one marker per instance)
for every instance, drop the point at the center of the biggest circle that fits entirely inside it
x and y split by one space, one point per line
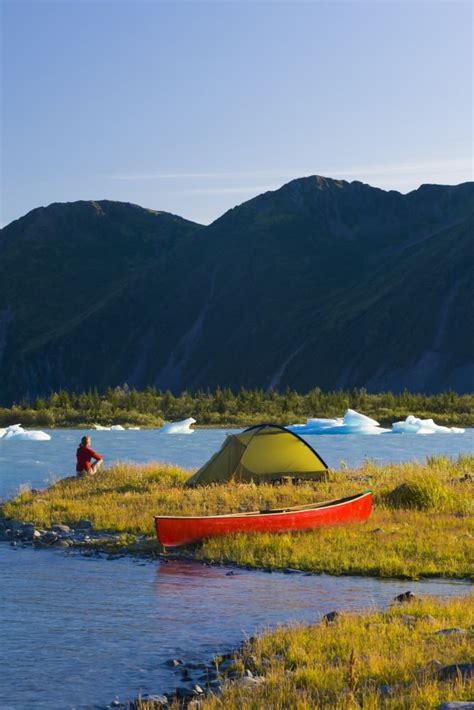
84 455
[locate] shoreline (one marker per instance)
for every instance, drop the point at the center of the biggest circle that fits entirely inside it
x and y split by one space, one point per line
106 545
113 512
255 674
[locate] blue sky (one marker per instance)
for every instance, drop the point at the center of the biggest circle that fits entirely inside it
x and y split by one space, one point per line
193 107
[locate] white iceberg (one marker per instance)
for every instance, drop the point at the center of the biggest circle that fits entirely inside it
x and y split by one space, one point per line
133 428
352 423
183 427
413 425
99 427
16 432
117 427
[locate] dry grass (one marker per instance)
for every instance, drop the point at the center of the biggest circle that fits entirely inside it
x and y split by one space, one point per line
432 535
371 661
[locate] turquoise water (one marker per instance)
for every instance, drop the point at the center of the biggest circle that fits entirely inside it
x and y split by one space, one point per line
39 462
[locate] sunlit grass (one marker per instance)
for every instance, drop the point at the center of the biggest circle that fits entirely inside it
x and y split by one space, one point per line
429 530
376 660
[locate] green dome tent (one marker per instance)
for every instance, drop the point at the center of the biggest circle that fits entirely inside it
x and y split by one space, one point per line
262 453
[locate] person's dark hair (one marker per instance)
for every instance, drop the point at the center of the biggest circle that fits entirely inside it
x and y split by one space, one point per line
84 441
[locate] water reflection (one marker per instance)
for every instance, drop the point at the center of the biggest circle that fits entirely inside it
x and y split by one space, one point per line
79 630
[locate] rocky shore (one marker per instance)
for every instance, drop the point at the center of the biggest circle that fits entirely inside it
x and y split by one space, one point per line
196 683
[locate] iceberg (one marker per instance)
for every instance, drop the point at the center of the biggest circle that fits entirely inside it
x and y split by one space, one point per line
117 427
16 432
133 428
352 423
99 427
413 425
182 427
355 423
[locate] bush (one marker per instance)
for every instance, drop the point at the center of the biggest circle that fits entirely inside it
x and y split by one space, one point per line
423 493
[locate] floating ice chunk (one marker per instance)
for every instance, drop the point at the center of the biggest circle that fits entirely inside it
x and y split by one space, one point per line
99 427
413 425
133 428
316 424
183 427
117 427
351 423
353 418
16 432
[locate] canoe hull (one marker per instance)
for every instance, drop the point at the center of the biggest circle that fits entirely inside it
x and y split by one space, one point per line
176 531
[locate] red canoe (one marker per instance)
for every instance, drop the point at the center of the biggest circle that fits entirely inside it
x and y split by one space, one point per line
173 531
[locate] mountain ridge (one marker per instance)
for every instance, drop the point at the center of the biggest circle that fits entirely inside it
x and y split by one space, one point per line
320 283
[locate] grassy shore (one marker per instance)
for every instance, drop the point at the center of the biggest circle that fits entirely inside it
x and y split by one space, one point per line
389 660
422 524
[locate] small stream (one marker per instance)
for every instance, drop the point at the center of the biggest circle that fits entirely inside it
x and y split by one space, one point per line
79 631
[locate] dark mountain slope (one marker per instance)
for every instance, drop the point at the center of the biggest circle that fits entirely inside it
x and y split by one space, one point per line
75 281
315 280
322 282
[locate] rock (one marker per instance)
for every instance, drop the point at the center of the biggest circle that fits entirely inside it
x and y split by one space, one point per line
62 543
182 692
60 528
378 530
331 617
13 543
197 689
216 685
15 525
84 524
456 670
430 619
225 666
230 574
405 597
160 700
49 537
290 570
173 662
455 631
457 705
408 620
30 533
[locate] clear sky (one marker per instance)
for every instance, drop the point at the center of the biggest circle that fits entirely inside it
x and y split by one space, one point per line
195 106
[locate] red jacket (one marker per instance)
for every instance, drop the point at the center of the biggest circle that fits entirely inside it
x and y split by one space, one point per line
84 456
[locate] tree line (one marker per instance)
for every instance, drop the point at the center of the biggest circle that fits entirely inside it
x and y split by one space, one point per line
223 406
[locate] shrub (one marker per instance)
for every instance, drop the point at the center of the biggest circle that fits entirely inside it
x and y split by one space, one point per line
422 493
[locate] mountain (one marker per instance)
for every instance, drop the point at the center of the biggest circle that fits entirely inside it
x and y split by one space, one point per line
320 283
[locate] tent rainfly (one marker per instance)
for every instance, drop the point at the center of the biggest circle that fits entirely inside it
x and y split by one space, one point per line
262 453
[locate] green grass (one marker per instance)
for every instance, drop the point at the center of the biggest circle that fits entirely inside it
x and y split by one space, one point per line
411 536
346 664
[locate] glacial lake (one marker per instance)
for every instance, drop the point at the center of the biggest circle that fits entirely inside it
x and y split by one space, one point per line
38 463
79 631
